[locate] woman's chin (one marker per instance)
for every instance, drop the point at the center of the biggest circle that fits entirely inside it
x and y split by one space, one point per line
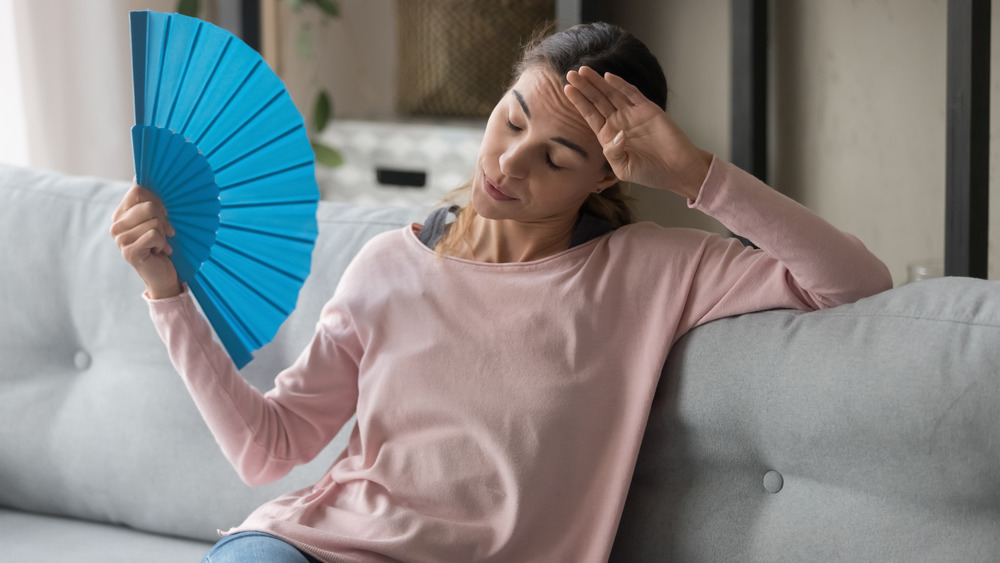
485 206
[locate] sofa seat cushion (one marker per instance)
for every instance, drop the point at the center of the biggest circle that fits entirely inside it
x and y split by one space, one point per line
45 539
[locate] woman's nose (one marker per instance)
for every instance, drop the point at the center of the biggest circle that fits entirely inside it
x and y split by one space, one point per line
512 161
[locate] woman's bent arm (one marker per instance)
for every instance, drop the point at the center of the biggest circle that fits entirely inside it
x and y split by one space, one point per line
264 435
803 261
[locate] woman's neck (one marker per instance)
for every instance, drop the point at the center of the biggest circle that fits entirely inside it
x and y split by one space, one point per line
500 241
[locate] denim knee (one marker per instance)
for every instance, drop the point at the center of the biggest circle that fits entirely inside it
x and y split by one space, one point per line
254 547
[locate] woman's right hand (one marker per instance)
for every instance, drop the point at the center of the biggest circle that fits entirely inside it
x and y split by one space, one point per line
642 143
140 229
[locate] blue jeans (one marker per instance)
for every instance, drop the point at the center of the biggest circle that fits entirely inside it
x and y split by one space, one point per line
256 547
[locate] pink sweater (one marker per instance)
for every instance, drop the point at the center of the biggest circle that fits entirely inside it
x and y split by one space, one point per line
500 407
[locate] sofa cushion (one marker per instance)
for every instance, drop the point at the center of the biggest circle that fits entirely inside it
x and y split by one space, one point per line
868 432
94 422
46 539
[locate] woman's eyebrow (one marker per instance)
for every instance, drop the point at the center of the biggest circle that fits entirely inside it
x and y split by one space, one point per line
562 141
520 100
571 145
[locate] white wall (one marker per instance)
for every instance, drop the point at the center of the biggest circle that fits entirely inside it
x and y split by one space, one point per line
859 126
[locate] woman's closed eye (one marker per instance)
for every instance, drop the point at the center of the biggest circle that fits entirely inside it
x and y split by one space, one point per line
552 165
548 157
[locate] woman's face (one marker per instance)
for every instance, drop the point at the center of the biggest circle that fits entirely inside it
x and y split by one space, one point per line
539 159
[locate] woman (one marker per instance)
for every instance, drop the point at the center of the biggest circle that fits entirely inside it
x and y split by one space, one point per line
502 368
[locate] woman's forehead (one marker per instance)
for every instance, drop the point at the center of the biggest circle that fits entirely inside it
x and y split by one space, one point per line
539 92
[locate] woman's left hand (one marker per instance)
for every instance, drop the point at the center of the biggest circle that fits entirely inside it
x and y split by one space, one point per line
640 140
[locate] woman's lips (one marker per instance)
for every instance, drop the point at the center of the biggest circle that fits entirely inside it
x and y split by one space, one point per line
495 192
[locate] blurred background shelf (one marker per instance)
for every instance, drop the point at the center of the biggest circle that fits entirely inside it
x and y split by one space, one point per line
399 162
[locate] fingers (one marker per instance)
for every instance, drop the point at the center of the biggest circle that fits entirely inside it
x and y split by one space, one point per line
583 105
142 241
139 214
138 205
140 226
632 94
136 195
607 98
595 99
131 198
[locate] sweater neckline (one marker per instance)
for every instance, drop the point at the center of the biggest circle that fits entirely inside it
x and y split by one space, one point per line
412 239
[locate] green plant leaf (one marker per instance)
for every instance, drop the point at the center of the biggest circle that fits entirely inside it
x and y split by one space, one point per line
189 7
321 111
303 43
329 7
327 155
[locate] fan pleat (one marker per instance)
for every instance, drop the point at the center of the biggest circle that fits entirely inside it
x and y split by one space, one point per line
268 283
226 323
286 221
291 176
138 29
205 74
231 71
192 246
182 31
257 163
188 199
184 257
194 215
238 295
249 177
168 154
159 71
254 117
220 141
284 266
289 256
218 127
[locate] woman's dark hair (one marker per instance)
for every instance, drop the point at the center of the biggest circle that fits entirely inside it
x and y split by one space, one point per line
603 47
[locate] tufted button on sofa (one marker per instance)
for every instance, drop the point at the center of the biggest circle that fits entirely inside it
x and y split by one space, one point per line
868 432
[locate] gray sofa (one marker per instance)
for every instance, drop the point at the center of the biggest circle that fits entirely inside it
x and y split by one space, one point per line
869 432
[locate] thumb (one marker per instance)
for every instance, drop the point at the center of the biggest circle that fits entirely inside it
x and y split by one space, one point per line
615 150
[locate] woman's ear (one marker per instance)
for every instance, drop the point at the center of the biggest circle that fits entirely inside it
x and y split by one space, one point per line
609 179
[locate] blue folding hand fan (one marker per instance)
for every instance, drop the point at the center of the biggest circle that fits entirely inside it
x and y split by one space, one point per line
219 141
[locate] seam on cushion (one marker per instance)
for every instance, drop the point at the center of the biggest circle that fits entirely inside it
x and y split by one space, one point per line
88 199
379 222
830 313
918 318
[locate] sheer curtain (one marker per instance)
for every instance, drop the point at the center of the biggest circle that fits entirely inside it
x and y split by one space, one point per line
75 79
13 133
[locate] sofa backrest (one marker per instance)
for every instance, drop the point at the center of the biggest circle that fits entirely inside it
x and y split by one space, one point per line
94 421
867 432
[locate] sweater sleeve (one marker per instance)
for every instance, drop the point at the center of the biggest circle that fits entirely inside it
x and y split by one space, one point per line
264 435
803 261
